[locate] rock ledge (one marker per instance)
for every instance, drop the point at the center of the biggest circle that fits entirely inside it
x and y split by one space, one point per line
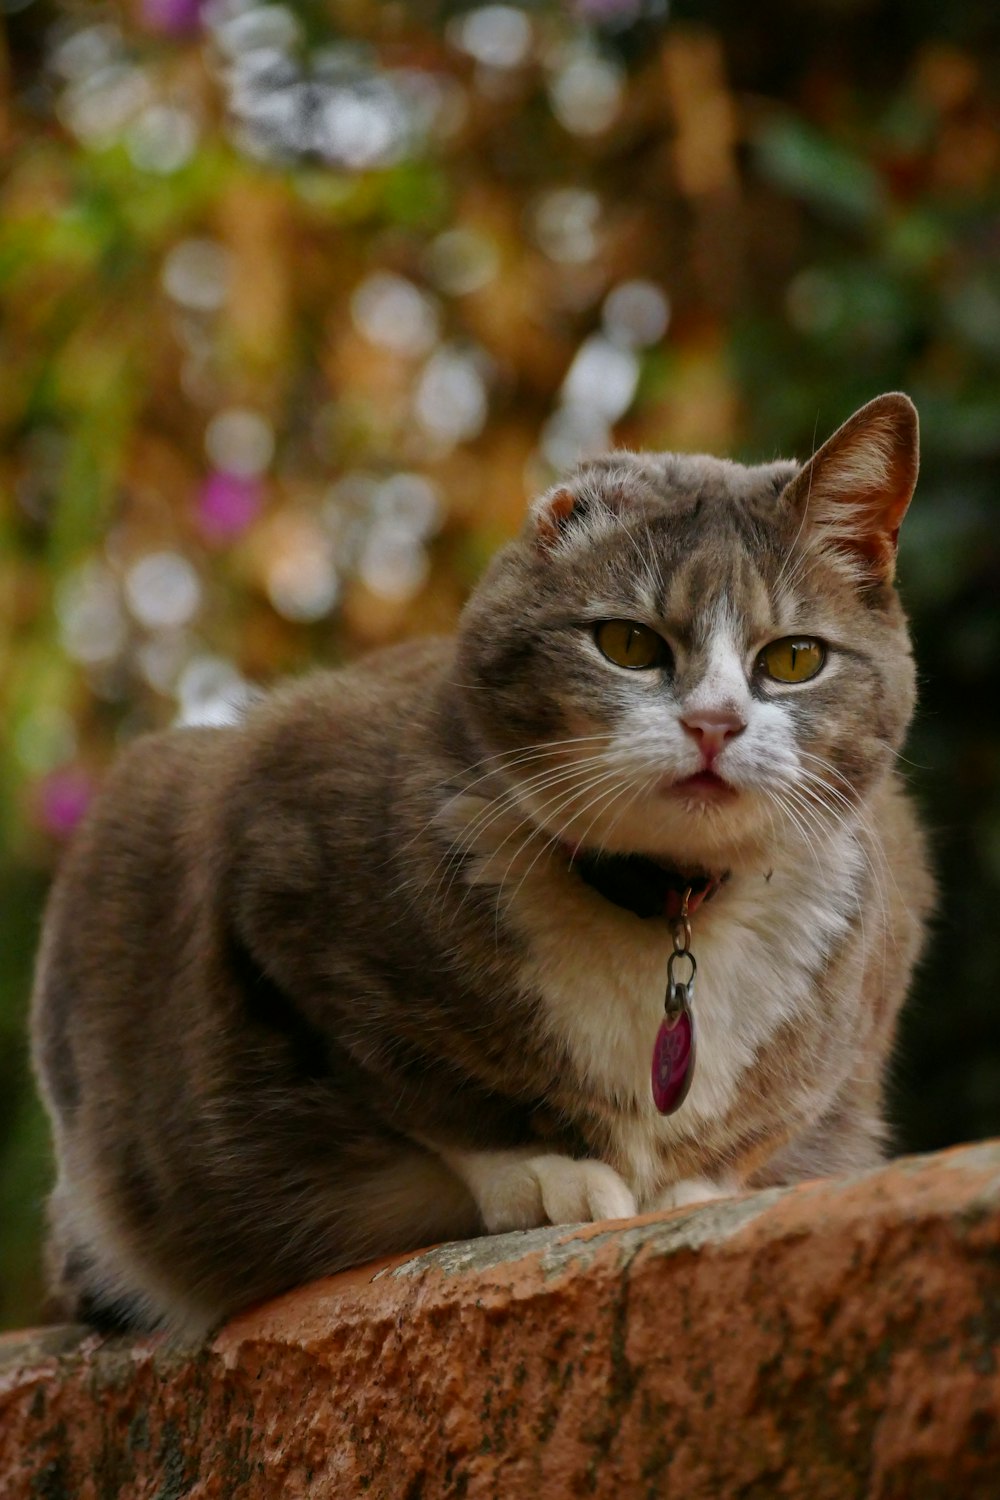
837 1339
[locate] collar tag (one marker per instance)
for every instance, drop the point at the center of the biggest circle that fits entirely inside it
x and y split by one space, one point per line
675 1046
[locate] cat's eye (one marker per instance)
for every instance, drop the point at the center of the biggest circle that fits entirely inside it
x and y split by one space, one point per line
629 644
792 659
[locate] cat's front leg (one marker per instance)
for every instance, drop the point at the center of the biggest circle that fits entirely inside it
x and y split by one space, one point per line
522 1189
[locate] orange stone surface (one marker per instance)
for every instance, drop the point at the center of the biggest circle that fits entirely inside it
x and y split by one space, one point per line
838 1339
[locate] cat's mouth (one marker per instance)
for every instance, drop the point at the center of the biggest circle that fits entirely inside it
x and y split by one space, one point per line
703 786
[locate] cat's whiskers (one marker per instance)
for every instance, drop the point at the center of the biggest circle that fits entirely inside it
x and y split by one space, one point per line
831 770
850 802
452 862
561 801
526 752
809 811
794 542
515 758
845 794
851 807
645 784
851 817
794 807
644 561
772 823
660 583
804 564
640 783
507 761
559 837
847 808
546 841
503 760
783 804
510 792
513 794
899 756
808 814
507 803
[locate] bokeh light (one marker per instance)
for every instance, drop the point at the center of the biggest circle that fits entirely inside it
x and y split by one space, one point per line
499 36
390 311
197 274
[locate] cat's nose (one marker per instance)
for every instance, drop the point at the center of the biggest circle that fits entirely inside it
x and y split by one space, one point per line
712 727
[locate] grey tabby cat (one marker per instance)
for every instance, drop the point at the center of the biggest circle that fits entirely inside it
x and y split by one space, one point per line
385 962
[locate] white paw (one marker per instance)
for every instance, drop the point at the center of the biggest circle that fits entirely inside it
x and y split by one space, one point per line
691 1190
550 1190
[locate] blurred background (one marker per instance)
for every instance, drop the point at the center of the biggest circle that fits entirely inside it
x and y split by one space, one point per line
299 302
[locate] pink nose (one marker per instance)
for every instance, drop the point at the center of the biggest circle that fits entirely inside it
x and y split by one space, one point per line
712 727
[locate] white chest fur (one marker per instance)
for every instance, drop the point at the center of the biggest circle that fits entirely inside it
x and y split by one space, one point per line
601 975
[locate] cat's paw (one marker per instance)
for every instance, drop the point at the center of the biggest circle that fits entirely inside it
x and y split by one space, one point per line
553 1190
515 1191
691 1190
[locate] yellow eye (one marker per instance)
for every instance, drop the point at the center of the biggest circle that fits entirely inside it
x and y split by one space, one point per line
629 644
793 659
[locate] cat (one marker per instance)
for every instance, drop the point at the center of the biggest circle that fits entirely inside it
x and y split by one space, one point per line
384 963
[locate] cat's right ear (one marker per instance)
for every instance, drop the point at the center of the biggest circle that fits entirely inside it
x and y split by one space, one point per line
550 517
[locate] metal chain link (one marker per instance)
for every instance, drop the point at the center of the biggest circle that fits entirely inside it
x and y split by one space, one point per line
682 926
680 991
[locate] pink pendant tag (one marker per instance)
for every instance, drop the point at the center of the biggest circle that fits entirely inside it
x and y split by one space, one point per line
673 1062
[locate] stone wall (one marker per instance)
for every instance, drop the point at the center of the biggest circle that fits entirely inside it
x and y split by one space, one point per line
838 1339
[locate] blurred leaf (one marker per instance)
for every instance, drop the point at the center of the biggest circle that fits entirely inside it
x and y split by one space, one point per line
820 171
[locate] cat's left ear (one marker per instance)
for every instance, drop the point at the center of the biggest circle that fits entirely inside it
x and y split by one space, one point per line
854 491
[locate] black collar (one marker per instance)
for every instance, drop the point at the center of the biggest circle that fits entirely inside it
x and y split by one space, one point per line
643 886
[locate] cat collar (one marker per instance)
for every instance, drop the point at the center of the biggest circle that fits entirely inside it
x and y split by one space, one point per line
648 889
642 885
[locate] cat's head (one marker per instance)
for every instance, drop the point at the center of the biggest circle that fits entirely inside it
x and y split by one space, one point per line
693 659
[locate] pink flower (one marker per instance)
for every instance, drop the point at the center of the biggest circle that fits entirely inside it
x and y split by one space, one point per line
64 797
227 505
173 17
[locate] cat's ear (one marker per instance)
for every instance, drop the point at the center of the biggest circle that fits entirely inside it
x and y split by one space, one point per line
854 491
563 510
551 515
